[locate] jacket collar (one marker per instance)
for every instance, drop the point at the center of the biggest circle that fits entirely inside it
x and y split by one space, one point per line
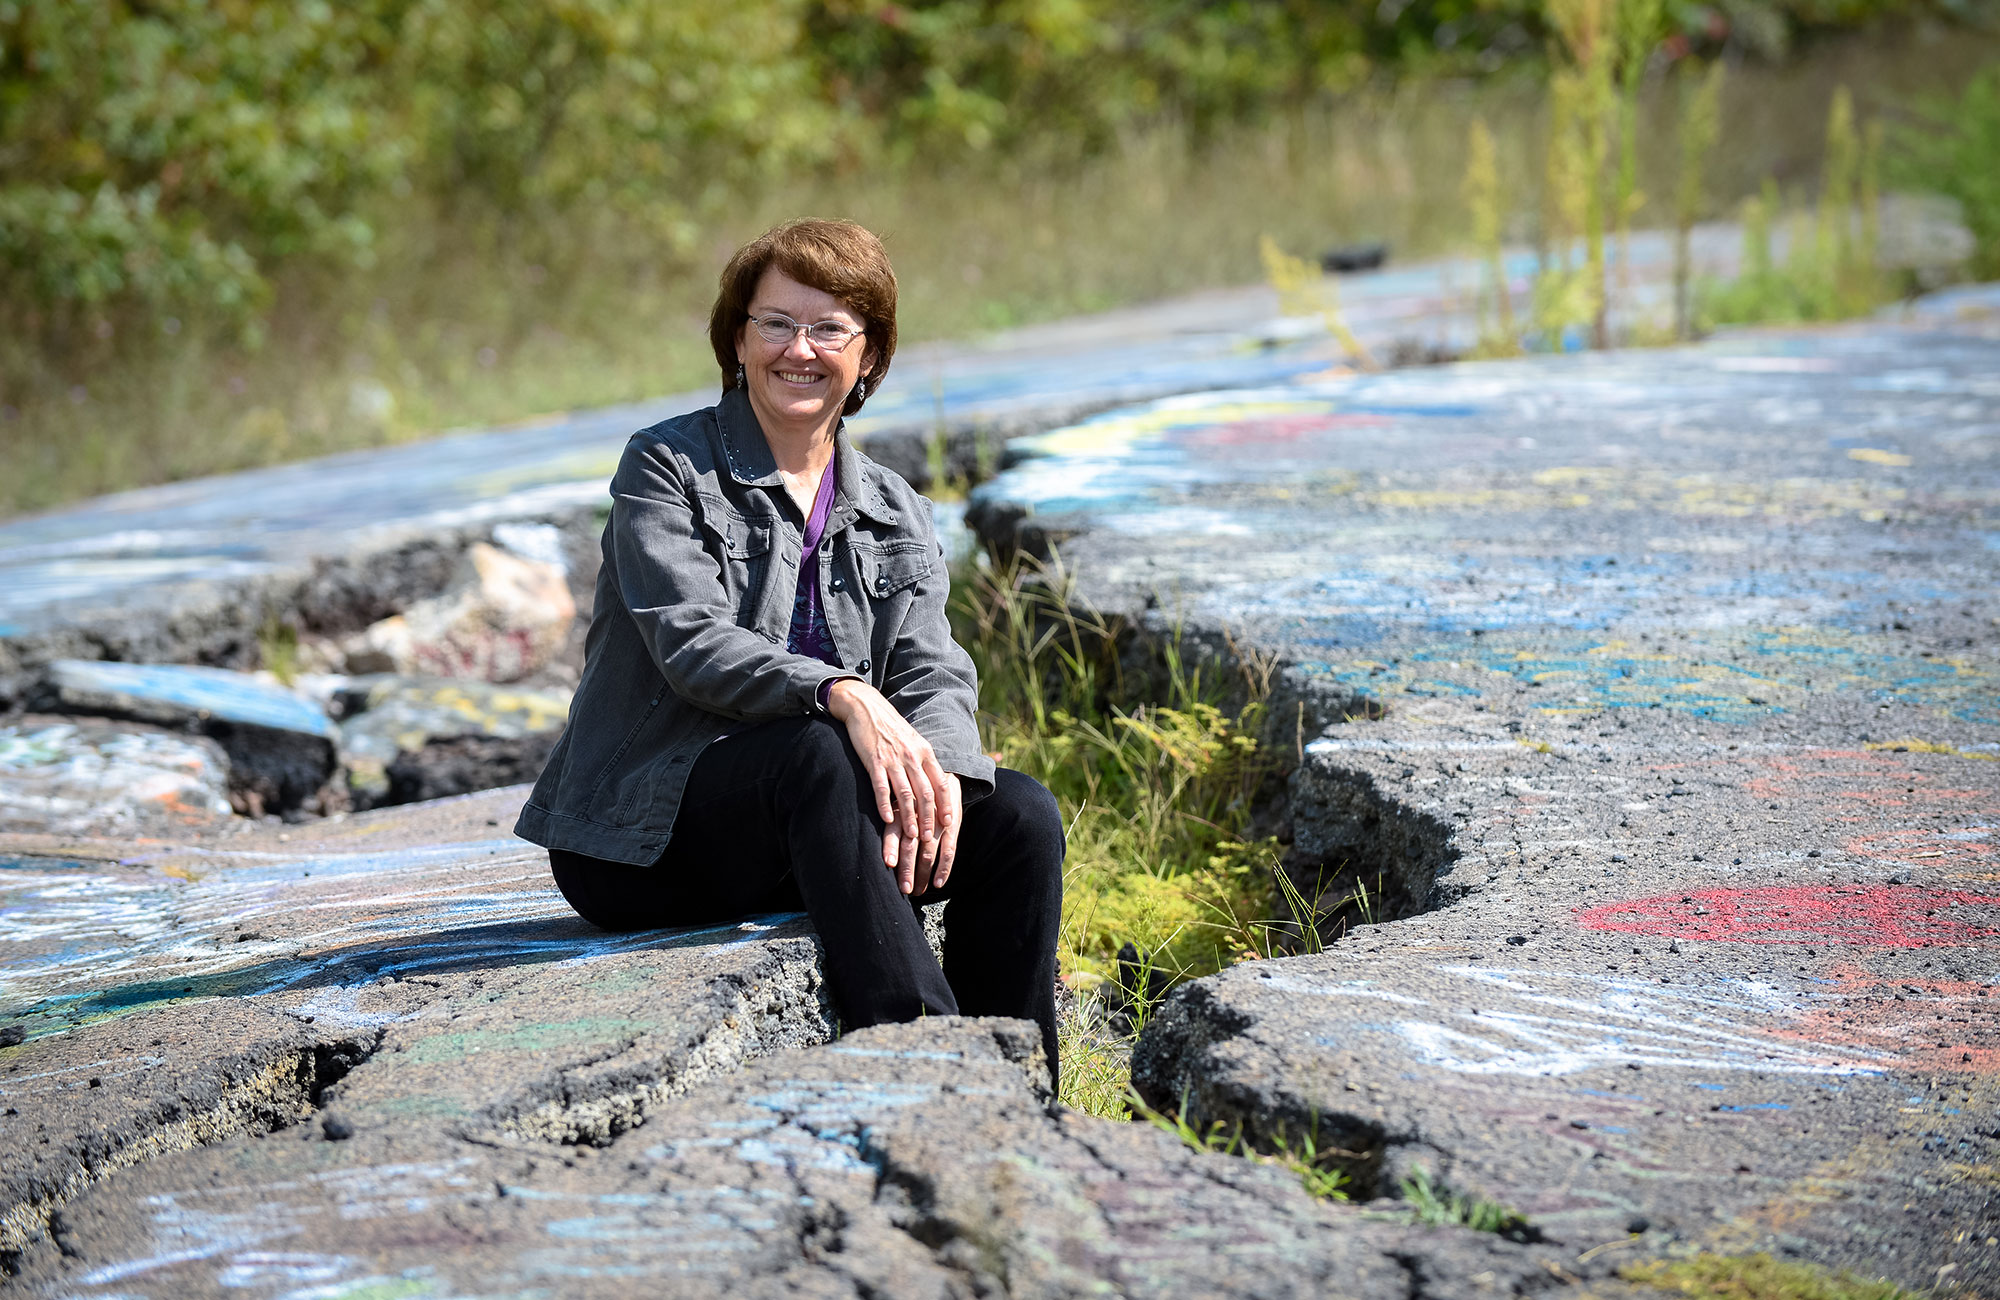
747 454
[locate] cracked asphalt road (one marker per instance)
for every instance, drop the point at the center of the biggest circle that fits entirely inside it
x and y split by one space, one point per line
1660 690
1660 686
371 1058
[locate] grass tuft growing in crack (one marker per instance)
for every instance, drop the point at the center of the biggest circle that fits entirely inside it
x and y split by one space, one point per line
1156 768
1314 1168
1757 1277
1435 1204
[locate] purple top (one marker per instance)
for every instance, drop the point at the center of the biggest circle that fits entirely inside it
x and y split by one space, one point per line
808 635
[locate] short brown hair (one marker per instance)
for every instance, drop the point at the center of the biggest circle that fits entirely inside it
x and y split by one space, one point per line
836 257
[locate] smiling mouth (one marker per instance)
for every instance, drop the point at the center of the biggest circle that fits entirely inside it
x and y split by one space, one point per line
799 377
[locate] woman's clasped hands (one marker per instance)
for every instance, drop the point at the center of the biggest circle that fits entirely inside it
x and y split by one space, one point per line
920 803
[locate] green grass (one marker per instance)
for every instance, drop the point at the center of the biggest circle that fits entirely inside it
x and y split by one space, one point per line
1435 1204
1157 771
1757 1277
461 322
1317 1170
1156 777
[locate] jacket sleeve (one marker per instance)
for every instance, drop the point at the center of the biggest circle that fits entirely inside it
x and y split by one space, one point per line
931 681
672 587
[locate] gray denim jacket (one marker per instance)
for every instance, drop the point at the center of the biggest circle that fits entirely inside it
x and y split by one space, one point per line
694 602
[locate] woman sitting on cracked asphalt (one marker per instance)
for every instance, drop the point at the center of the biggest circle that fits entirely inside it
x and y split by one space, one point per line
757 734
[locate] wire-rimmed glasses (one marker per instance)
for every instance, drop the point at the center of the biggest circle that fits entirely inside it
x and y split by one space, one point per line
826 335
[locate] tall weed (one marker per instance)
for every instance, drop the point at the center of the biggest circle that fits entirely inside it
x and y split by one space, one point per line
1829 270
1157 793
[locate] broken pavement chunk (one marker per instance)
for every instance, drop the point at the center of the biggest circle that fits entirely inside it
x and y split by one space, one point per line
97 778
411 738
280 744
502 618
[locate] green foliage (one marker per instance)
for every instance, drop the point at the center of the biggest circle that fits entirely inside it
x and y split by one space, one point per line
278 648
1955 151
1437 1205
1757 1277
657 109
1637 26
1581 107
1155 795
1096 1065
1829 270
166 155
1303 291
1318 1171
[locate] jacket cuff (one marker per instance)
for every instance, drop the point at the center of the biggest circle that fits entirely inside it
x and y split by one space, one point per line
824 690
974 773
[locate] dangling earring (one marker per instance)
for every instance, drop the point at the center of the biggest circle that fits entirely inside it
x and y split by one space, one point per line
861 388
742 376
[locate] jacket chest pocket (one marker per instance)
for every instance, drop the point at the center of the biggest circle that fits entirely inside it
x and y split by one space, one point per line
744 547
888 570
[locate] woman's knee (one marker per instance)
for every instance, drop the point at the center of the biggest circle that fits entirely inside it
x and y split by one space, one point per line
821 764
1024 812
820 750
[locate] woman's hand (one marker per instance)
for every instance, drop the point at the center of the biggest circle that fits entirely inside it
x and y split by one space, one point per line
918 801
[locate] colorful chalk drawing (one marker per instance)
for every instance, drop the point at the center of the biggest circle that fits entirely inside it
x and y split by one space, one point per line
96 944
403 714
192 692
797 1136
73 780
1550 1022
186 1231
1889 916
1735 676
1937 1025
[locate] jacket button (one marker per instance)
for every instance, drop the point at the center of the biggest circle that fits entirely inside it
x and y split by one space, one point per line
861 667
881 586
838 584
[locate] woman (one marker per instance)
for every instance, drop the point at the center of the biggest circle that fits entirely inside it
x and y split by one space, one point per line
753 733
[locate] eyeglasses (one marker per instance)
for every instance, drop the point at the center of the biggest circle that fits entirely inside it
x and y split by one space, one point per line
826 335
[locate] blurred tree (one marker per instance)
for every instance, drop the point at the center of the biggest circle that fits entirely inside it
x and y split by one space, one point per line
159 157
659 109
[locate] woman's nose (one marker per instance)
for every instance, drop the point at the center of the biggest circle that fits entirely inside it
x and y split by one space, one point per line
799 348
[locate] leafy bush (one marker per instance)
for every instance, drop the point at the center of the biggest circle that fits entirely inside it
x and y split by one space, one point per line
165 155
1956 152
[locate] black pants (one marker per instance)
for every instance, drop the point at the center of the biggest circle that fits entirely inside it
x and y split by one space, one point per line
781 817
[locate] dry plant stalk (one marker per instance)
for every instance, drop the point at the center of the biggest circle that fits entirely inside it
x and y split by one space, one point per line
1581 103
1303 291
1701 121
1638 23
1497 336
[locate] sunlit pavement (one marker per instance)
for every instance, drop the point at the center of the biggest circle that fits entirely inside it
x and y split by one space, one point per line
1660 690
1685 776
